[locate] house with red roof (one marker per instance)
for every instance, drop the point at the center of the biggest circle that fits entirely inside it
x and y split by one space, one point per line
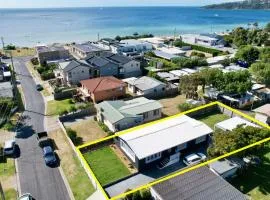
102 88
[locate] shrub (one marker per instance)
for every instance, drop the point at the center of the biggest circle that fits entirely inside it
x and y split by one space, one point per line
73 109
186 106
34 61
146 195
72 134
64 112
46 75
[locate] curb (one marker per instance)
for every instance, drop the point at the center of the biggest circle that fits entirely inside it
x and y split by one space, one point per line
19 191
70 193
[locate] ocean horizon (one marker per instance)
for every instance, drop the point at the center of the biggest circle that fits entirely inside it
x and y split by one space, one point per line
29 26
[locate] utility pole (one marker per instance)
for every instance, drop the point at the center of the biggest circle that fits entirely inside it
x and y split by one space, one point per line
3 43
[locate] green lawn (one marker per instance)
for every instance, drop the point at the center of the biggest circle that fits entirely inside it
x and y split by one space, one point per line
256 181
7 168
10 194
55 107
211 120
106 165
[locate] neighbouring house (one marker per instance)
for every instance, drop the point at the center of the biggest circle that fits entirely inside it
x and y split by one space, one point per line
225 168
103 88
197 184
6 89
51 53
263 114
109 64
72 72
216 60
238 101
146 86
127 67
232 123
119 115
131 48
261 91
168 77
83 50
100 66
165 55
203 39
169 138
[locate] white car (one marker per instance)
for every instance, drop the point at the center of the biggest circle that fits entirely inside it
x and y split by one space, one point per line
26 196
9 147
194 158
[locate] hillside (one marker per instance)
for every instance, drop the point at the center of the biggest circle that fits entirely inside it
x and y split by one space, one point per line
248 4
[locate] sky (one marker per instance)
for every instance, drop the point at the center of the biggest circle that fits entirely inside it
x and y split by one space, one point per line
95 3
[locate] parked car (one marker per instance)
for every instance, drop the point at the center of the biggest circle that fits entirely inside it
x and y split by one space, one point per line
39 87
49 156
9 147
26 196
43 139
194 158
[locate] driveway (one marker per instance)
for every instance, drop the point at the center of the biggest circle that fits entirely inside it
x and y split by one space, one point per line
35 177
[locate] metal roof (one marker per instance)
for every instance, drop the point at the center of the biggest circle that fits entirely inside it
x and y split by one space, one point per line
198 184
165 55
265 109
146 83
164 135
232 123
6 89
223 166
115 111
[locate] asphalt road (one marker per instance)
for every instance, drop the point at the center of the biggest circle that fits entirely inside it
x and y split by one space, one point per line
44 183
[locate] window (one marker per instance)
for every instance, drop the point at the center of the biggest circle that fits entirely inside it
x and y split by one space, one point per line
145 115
156 112
153 157
69 75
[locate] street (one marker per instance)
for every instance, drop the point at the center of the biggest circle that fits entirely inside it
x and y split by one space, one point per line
44 183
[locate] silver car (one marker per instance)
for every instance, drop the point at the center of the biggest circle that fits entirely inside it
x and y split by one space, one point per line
9 147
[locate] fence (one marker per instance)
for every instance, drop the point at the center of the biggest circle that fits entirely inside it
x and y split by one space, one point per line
79 114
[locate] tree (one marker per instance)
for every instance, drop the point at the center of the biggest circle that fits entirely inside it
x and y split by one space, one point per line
261 72
248 54
118 38
267 27
228 141
240 36
265 55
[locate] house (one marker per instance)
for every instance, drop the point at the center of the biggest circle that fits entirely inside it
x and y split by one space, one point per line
224 168
237 100
203 39
83 50
168 77
72 72
172 50
103 88
109 64
263 114
232 123
51 53
179 73
6 90
261 91
149 145
100 66
157 42
164 55
120 115
216 60
131 47
197 184
146 86
127 67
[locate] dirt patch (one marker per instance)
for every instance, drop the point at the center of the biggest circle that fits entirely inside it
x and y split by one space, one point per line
88 130
5 135
170 105
123 158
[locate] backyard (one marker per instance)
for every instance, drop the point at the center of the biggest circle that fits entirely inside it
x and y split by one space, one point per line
256 181
106 165
79 182
212 119
87 129
56 107
170 104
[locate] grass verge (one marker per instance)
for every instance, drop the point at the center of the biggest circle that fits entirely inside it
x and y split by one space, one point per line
106 165
56 107
10 194
211 120
77 178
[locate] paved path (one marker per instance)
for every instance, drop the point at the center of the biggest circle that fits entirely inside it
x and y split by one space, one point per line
43 182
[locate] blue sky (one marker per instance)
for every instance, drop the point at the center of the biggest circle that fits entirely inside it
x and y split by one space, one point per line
89 3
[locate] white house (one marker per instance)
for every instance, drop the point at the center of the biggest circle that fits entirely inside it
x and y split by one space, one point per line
224 168
150 144
120 115
146 86
72 72
232 123
202 39
263 114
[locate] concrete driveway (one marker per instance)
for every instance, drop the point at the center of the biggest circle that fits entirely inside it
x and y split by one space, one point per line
43 182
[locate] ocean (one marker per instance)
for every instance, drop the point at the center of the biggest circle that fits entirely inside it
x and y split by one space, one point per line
27 27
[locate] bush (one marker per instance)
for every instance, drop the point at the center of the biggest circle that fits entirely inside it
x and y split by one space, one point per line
47 75
64 112
186 106
197 54
34 61
72 134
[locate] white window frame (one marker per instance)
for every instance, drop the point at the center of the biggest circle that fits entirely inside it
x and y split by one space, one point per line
153 158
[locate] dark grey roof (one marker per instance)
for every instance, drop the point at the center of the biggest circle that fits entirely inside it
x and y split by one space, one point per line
97 61
198 184
119 59
69 65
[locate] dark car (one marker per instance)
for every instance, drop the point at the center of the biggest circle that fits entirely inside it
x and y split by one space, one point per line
39 87
49 156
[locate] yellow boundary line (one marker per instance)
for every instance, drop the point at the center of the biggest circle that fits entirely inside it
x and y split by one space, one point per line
177 173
